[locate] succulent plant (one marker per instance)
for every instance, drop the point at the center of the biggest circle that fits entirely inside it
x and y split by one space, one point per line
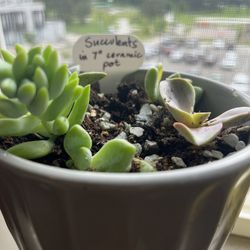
179 96
40 96
151 83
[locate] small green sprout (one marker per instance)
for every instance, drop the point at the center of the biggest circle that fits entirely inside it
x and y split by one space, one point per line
151 83
179 96
40 96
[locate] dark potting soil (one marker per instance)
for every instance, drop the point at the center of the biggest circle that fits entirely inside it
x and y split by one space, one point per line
129 115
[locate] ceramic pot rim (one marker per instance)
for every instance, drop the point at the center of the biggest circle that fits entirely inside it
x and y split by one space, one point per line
238 160
232 163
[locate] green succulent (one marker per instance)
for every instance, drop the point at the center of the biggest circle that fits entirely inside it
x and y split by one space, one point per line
179 96
40 96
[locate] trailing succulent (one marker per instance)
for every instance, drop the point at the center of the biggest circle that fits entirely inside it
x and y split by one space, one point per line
179 96
40 96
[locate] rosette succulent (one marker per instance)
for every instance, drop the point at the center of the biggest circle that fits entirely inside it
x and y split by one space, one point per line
40 96
179 96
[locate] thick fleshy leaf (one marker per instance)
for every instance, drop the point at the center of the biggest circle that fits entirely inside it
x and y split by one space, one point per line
79 109
60 126
75 138
5 70
198 93
199 118
232 117
160 72
18 126
12 108
7 56
91 77
191 120
151 84
81 158
174 75
8 87
32 149
198 136
178 93
115 156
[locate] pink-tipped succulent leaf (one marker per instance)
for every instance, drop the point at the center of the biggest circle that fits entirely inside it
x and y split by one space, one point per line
198 136
178 95
232 117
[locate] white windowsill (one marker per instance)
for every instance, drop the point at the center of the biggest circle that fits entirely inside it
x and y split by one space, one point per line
242 226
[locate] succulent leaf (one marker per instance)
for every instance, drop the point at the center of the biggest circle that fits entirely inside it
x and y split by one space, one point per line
232 117
79 109
193 120
77 143
58 105
40 78
32 149
34 51
199 118
52 64
20 65
174 75
5 70
26 92
151 84
198 136
76 137
46 53
115 156
198 93
60 126
7 56
8 87
20 49
18 127
38 61
12 108
178 93
58 82
40 102
160 72
91 77
73 76
82 158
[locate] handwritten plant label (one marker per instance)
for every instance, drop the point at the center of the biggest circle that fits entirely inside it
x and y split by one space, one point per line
108 53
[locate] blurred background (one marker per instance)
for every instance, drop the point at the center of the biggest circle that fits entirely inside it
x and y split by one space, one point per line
209 37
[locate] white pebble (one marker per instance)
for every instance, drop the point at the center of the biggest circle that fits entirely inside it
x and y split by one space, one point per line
152 159
240 145
137 131
231 140
178 162
217 154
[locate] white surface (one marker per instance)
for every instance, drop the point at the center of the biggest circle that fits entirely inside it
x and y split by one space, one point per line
6 240
242 226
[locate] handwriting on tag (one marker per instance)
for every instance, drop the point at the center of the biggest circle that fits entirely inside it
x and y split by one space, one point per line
108 53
